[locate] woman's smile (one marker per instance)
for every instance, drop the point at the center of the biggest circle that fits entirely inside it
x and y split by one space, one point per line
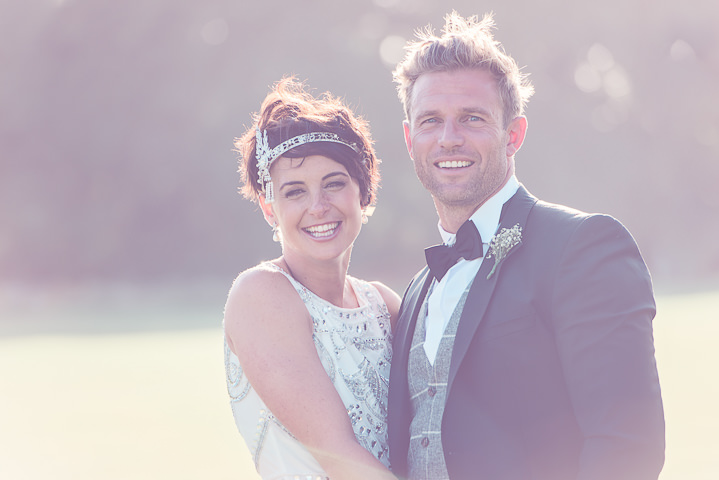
322 231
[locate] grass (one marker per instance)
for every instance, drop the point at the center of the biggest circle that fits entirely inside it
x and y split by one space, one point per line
135 403
126 406
686 334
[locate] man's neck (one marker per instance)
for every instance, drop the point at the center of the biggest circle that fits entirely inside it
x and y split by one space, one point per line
452 218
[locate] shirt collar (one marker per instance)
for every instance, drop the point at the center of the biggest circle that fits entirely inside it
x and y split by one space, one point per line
486 218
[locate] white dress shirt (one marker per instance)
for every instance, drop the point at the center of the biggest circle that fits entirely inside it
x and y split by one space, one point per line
447 292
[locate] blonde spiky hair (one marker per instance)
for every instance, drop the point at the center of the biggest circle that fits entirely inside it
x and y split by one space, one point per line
465 43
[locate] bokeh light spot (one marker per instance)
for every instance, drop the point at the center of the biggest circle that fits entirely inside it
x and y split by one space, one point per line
681 51
600 57
215 31
616 83
391 49
599 71
587 78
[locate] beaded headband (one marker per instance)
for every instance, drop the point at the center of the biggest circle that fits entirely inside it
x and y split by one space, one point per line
265 156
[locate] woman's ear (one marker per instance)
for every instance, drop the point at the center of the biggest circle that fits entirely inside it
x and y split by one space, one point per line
267 211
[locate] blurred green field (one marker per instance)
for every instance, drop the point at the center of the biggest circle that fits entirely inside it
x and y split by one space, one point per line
152 404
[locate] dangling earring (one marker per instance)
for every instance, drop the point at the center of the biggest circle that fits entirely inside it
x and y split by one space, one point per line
367 212
275 232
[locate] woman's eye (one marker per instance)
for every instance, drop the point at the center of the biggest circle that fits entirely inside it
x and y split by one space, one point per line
295 192
335 185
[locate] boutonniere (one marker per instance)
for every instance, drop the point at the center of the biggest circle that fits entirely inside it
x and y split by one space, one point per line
502 242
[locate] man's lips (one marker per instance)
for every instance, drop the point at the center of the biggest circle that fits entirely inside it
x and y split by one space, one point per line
454 163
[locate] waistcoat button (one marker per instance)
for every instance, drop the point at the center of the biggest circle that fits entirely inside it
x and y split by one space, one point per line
432 391
425 442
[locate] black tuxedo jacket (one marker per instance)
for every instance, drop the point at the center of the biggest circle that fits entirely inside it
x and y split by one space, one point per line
553 375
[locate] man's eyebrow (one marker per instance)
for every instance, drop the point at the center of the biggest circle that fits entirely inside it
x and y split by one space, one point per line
482 111
478 110
426 113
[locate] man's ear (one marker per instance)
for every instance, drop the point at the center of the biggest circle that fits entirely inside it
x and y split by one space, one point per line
407 138
516 131
267 211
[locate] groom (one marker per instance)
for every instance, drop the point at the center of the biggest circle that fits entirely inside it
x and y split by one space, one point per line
524 351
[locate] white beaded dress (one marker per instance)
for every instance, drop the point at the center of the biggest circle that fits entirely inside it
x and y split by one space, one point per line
354 345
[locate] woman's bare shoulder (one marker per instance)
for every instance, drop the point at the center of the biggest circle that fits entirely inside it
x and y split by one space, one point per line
262 298
259 274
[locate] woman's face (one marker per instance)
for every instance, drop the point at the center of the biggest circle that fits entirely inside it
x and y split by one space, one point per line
317 206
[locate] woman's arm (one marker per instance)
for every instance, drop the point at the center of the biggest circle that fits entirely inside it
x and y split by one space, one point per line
270 331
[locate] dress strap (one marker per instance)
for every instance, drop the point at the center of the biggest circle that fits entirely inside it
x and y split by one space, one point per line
365 292
298 286
277 268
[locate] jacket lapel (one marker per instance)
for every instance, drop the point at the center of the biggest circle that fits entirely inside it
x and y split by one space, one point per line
399 417
516 211
411 303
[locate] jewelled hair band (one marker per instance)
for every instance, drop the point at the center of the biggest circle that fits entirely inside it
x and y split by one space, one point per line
265 155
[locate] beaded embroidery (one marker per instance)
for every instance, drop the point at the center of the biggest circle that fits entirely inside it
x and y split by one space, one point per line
354 347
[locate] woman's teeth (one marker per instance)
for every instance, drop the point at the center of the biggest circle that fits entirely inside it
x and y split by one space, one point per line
322 230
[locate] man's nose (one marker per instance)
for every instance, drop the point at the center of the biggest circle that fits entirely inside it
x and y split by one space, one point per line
451 136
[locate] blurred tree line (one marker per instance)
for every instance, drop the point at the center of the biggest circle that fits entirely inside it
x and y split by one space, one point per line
117 122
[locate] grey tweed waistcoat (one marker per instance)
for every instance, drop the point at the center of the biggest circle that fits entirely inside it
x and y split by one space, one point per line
428 393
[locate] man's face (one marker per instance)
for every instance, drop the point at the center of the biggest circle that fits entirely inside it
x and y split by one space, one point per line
461 151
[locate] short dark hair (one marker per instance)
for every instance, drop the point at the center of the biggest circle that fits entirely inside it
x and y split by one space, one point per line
290 110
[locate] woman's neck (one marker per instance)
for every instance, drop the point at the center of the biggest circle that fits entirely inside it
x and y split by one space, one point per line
326 279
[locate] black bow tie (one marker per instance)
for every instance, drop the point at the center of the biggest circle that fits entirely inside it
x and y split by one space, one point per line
440 258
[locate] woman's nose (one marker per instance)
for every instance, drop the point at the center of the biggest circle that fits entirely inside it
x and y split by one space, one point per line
320 203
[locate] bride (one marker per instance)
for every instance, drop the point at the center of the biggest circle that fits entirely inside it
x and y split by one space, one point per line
308 347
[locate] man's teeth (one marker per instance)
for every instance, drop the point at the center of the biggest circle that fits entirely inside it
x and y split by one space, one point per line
322 230
454 164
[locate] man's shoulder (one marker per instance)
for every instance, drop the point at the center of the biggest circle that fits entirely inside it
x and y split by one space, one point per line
548 211
556 215
559 210
556 221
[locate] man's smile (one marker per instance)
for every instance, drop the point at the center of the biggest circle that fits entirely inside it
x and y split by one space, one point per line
454 163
